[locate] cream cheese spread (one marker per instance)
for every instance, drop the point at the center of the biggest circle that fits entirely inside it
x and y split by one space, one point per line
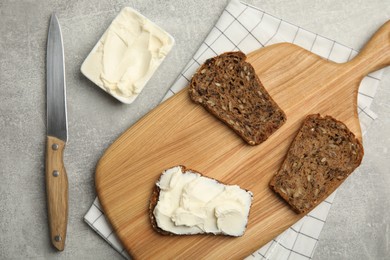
127 55
193 204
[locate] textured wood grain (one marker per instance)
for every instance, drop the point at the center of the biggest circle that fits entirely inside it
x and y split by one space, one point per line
181 132
57 191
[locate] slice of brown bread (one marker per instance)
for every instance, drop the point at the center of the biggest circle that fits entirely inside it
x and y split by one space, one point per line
323 154
227 86
155 198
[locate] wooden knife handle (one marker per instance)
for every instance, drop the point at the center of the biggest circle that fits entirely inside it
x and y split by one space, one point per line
57 191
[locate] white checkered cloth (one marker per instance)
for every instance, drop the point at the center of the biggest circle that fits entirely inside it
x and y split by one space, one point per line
247 28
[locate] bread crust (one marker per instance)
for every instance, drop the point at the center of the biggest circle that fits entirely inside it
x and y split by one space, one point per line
152 205
304 185
227 87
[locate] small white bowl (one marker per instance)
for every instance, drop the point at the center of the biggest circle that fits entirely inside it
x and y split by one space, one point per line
127 55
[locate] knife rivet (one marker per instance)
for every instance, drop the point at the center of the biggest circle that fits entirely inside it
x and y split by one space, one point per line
56 173
54 147
57 238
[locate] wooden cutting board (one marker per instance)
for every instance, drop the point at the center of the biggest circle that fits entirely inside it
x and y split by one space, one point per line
181 132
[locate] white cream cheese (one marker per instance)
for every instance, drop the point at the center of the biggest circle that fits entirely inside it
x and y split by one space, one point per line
192 204
127 55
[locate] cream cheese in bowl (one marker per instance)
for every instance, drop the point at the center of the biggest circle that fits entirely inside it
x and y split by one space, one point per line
127 55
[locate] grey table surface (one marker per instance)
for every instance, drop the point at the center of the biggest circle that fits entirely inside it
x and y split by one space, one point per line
358 224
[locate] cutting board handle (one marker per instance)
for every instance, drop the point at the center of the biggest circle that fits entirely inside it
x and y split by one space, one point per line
375 54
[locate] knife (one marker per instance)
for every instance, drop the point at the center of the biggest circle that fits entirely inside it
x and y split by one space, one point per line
57 135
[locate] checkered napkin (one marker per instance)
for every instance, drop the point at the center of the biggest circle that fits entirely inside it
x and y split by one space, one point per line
247 28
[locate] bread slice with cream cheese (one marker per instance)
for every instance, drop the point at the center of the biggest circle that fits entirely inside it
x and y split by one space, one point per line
184 202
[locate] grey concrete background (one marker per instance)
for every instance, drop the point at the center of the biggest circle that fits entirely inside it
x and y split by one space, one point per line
358 224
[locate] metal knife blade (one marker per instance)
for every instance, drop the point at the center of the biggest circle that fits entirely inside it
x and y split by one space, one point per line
56 88
57 135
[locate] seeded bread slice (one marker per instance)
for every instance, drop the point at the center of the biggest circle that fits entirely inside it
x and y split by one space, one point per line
323 154
156 196
227 86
